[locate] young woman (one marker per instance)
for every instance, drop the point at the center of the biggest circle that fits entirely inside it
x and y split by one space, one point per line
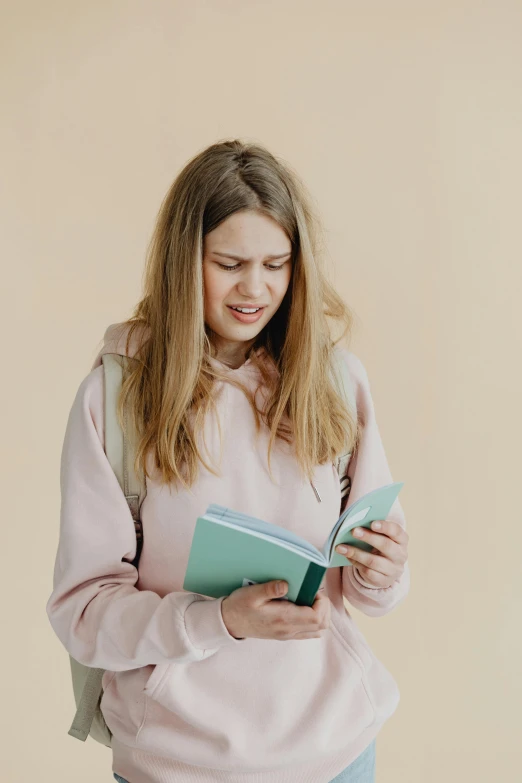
236 408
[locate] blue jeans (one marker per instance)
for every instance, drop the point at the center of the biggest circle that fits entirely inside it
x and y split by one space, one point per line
362 770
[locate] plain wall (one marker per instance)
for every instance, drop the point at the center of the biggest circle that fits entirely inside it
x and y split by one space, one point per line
404 119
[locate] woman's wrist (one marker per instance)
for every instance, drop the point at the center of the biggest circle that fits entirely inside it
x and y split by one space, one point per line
229 625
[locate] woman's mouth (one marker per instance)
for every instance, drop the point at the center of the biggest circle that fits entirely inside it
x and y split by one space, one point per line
247 317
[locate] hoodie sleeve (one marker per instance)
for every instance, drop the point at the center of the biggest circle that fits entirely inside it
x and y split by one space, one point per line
95 609
369 469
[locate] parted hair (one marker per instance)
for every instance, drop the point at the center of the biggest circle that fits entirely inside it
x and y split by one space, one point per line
170 383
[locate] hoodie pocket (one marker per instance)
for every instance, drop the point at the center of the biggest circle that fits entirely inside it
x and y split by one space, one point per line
259 705
381 688
351 638
156 677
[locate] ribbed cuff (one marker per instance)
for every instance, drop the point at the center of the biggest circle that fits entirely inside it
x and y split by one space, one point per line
358 578
205 626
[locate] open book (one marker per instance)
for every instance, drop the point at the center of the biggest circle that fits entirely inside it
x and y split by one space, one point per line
231 550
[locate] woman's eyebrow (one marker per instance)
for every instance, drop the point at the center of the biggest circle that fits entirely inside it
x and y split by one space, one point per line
238 258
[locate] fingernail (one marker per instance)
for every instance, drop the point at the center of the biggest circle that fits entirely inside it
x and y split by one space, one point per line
376 525
357 532
342 549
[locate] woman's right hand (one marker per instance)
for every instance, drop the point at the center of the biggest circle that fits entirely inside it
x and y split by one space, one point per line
251 611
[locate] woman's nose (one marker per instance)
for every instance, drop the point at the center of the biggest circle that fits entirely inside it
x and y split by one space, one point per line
251 284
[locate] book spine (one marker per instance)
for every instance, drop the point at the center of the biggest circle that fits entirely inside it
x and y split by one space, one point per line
310 586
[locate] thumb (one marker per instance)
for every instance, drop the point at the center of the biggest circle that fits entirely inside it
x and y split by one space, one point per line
274 589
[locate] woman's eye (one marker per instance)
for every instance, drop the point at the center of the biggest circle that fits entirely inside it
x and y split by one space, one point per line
272 267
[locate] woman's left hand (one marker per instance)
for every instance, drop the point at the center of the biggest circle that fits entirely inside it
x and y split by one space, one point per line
385 563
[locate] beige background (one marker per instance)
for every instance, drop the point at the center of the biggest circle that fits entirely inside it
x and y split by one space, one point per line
405 121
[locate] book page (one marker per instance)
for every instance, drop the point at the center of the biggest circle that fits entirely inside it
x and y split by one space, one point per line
263 529
374 505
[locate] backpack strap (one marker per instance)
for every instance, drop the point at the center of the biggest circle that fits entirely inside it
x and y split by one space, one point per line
89 700
120 450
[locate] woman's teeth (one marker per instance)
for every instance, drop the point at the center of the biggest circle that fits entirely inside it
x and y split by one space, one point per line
244 310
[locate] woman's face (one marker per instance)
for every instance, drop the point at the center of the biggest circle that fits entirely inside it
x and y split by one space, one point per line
246 263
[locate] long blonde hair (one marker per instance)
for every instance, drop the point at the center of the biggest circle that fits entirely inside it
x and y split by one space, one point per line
169 386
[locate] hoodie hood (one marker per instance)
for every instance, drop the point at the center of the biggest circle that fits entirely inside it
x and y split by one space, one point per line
115 341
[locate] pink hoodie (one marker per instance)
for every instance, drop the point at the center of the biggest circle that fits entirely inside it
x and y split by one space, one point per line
185 700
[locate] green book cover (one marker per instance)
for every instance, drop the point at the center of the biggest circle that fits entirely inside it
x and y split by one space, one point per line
230 549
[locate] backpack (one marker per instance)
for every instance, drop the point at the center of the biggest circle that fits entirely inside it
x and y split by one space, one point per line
120 450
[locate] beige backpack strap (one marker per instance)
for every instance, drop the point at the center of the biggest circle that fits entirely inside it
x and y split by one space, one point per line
120 451
88 703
